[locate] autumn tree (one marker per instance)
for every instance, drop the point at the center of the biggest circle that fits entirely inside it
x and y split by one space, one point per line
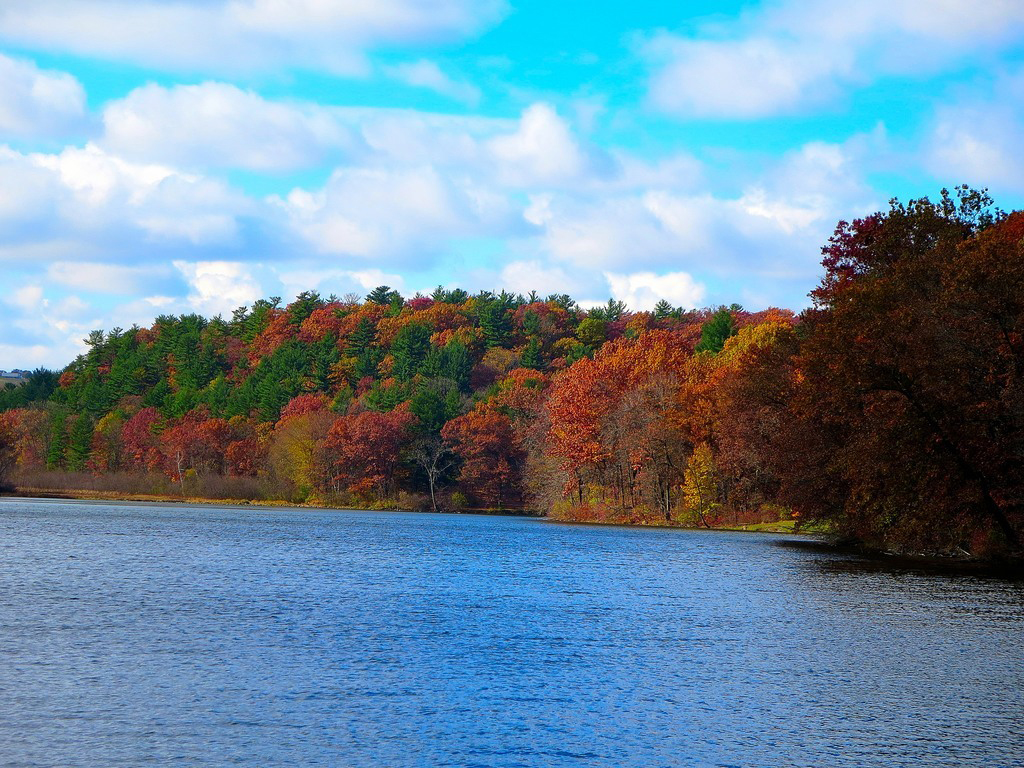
365 450
910 375
8 447
700 489
492 460
106 451
140 444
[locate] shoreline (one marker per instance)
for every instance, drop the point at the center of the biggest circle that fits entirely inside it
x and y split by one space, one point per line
44 494
819 539
31 492
28 492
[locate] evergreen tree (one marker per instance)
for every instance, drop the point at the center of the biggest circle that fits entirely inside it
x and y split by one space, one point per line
360 346
662 309
563 300
458 364
496 321
435 404
384 295
454 296
451 361
715 332
79 443
257 320
304 305
531 323
610 312
57 453
408 349
532 357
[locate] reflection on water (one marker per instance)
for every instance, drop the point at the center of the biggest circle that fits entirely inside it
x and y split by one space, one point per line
218 636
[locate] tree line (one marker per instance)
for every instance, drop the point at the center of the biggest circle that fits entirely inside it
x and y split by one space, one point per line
891 409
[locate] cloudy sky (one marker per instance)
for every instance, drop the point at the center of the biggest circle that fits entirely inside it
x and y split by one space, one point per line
168 156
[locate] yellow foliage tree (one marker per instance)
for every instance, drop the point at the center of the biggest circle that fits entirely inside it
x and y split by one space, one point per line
700 487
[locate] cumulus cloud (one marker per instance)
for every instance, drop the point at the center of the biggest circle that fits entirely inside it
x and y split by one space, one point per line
801 53
975 139
217 125
219 287
523 204
96 197
743 78
36 102
427 74
542 150
43 330
395 214
763 238
546 278
97 277
241 35
642 290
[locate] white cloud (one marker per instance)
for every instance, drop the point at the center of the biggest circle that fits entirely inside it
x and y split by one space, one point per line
642 290
27 297
336 281
525 276
541 151
975 139
88 193
42 330
27 195
396 214
36 102
798 53
427 74
742 79
221 126
241 35
768 235
522 204
107 278
219 287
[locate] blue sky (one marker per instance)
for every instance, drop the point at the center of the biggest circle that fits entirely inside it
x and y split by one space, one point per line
168 157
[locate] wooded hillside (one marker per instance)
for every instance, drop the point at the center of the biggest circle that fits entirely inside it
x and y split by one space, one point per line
892 408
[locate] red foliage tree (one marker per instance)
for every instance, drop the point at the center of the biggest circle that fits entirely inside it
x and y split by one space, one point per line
910 376
492 460
196 443
140 441
366 449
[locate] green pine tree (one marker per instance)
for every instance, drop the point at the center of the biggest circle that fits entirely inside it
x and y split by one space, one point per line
79 443
532 357
716 331
57 453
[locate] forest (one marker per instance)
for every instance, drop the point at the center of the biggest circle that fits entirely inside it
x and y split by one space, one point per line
890 411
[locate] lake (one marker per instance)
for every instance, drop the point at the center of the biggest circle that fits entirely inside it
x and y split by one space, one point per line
207 636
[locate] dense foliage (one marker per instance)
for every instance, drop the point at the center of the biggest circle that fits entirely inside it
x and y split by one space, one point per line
893 408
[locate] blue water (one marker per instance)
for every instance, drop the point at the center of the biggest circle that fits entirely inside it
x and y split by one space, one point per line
202 636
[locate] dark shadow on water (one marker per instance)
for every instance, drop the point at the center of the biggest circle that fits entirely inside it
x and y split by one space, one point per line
843 558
